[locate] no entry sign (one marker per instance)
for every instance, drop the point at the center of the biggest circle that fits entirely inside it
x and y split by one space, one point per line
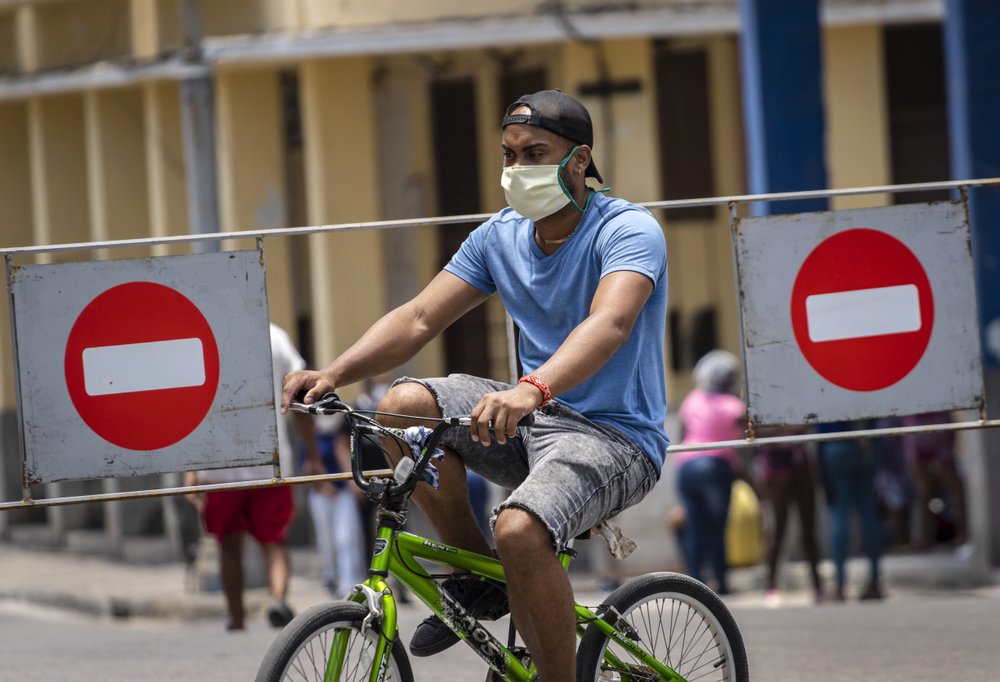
136 344
856 314
132 367
862 309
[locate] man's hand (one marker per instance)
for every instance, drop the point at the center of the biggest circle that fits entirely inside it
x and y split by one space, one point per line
503 410
313 383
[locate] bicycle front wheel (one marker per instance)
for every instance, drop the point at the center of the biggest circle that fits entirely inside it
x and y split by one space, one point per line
677 620
301 652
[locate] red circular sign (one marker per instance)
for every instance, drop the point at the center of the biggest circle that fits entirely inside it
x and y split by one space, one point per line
142 366
862 309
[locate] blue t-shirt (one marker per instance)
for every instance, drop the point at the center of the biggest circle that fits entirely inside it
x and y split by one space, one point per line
549 296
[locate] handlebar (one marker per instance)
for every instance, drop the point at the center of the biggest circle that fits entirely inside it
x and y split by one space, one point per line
328 404
407 472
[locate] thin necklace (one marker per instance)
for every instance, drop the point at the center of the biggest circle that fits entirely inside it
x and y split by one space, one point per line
555 242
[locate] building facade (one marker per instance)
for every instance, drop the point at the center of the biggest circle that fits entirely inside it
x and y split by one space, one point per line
361 110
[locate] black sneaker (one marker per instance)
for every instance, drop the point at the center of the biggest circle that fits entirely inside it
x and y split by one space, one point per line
279 614
484 599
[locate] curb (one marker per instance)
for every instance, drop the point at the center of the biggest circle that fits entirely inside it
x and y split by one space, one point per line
180 607
56 600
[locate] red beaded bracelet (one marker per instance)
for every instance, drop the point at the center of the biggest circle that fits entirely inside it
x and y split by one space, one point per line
540 385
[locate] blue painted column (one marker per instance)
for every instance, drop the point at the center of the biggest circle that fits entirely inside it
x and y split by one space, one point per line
972 56
972 61
780 46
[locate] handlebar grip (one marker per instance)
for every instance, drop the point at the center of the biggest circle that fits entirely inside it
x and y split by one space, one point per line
330 402
526 420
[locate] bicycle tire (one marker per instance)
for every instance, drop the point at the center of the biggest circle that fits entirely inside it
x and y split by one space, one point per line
299 653
672 614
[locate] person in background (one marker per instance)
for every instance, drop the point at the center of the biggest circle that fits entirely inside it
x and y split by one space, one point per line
849 468
264 513
932 461
787 479
893 486
335 510
711 412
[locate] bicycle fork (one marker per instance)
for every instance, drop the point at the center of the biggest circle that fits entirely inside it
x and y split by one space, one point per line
382 616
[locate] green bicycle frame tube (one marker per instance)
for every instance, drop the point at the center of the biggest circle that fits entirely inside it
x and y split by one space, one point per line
396 552
585 615
404 566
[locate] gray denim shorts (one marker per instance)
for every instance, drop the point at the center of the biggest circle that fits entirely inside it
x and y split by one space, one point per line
564 469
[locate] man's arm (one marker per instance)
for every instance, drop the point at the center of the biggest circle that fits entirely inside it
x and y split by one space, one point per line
392 340
617 302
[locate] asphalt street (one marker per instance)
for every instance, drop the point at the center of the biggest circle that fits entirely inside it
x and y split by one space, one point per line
910 637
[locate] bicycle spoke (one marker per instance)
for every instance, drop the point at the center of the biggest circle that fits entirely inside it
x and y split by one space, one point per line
676 633
698 636
310 661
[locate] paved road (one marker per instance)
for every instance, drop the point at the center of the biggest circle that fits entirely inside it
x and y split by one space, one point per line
909 638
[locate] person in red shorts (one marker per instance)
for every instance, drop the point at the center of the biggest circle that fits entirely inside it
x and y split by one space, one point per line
263 513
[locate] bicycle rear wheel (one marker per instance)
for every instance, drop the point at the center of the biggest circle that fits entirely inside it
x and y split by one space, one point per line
678 620
300 652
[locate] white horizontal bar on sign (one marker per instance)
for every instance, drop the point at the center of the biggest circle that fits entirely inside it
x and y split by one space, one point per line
134 367
863 312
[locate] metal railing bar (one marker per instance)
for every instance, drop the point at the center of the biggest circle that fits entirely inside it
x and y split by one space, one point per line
839 435
822 193
248 234
673 449
479 217
185 490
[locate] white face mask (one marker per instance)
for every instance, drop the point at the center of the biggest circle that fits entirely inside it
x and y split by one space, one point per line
537 192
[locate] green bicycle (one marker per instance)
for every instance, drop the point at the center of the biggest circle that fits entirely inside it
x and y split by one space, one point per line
658 626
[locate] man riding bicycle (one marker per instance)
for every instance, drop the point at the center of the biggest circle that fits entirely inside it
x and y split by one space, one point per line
584 277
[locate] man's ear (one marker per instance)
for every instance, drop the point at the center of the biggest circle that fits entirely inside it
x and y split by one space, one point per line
582 158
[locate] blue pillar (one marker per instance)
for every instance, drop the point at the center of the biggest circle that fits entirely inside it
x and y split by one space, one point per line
972 60
780 46
972 56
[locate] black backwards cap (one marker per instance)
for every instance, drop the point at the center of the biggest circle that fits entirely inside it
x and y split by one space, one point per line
558 113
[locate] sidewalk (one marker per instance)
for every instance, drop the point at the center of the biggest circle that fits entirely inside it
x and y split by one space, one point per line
158 587
145 587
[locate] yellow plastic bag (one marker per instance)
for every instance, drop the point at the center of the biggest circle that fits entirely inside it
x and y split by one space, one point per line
744 536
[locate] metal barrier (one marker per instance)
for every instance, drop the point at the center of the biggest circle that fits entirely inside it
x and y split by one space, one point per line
733 202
